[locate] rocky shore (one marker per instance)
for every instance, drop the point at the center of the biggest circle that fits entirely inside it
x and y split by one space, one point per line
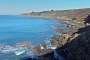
73 44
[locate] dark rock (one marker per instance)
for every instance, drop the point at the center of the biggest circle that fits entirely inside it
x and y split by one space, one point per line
79 47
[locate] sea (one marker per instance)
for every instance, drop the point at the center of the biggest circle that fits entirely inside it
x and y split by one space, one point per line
16 28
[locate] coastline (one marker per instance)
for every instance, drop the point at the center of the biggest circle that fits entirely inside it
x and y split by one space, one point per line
64 41
67 41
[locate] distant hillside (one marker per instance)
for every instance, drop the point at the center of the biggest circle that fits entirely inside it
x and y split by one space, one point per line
59 13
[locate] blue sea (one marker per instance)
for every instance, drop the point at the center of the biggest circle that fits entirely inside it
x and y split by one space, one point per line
20 28
15 29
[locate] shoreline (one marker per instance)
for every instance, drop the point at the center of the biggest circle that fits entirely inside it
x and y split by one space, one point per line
61 41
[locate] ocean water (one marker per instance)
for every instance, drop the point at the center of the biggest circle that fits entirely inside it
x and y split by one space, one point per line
15 29
20 28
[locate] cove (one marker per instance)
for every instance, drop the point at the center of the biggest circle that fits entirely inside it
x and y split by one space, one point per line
14 29
21 28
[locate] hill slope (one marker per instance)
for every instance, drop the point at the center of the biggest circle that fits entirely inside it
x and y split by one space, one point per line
59 13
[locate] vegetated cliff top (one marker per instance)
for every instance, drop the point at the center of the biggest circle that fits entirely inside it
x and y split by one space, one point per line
71 12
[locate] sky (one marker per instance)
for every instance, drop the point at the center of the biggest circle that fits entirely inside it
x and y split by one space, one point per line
9 7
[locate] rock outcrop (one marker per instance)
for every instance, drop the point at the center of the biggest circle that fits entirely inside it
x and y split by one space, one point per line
76 49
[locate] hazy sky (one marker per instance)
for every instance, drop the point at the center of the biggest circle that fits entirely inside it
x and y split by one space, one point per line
21 6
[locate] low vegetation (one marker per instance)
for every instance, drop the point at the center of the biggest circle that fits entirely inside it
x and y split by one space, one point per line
70 46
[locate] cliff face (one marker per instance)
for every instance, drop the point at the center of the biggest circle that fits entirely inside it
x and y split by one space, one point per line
79 47
76 49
